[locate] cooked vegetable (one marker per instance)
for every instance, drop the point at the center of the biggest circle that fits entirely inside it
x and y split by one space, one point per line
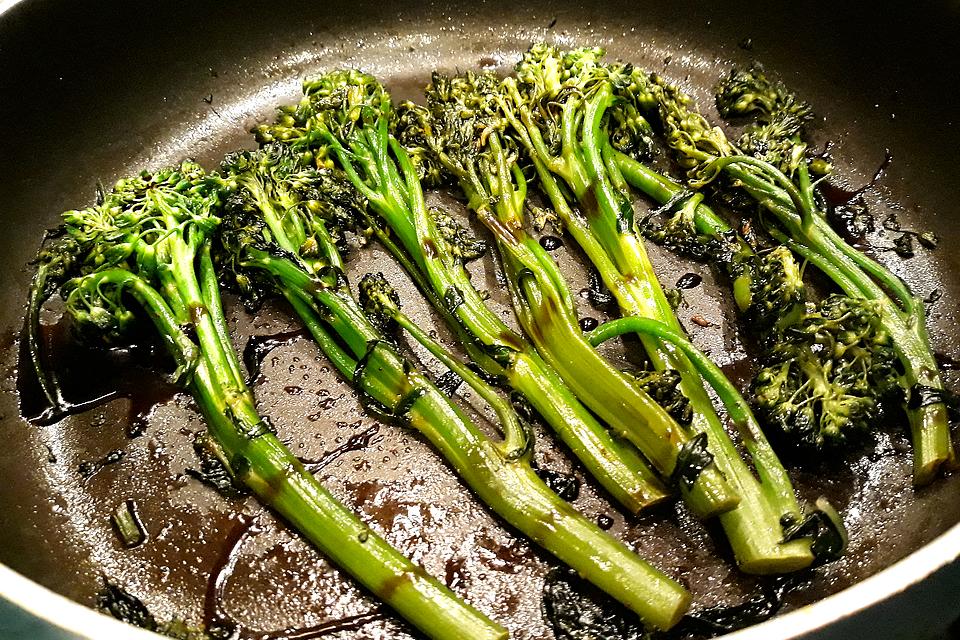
562 106
777 177
55 263
143 255
126 522
126 607
748 91
342 165
347 115
281 234
463 126
822 526
825 366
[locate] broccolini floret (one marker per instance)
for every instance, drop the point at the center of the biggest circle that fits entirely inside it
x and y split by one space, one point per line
822 384
825 365
782 186
779 116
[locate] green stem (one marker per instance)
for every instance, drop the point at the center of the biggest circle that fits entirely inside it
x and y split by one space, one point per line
501 352
541 300
773 477
260 460
281 481
753 528
516 440
814 258
615 399
779 180
614 463
210 288
293 276
662 189
343 361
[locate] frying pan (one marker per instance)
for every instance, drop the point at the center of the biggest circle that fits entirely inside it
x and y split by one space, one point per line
92 91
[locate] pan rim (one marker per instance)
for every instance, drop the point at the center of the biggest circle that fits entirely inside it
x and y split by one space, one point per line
902 575
63 613
75 618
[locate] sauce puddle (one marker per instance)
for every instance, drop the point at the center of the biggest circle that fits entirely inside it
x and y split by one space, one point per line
258 347
88 377
356 442
219 623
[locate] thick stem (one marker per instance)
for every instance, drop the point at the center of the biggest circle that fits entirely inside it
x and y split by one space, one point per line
773 476
615 464
280 481
614 397
508 485
260 460
753 528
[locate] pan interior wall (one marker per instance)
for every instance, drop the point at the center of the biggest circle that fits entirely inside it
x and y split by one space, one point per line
92 91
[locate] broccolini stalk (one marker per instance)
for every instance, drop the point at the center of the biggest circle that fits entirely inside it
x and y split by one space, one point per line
772 474
275 241
778 178
463 128
150 241
822 525
561 106
347 114
826 365
54 265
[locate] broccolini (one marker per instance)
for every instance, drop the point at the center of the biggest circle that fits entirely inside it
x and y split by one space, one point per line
564 107
463 126
347 115
149 243
281 233
777 177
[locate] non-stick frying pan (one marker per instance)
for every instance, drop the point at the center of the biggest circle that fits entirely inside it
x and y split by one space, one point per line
91 91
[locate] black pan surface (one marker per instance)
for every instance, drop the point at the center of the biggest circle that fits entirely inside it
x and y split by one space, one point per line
91 91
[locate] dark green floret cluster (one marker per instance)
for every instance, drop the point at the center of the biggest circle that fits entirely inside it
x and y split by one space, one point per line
778 116
822 383
769 174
